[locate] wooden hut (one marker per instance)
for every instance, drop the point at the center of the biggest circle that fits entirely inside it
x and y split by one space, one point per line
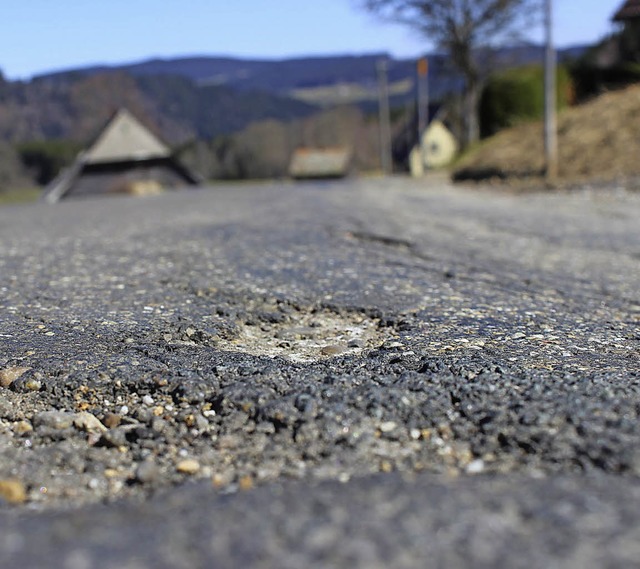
126 157
320 163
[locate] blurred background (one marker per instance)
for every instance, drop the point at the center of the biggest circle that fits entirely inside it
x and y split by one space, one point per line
256 90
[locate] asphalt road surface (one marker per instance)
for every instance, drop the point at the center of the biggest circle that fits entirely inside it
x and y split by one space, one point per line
375 373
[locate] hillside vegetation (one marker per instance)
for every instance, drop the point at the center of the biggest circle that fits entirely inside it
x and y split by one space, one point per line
599 139
75 105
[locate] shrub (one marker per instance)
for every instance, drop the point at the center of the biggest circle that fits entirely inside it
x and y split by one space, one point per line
518 95
47 157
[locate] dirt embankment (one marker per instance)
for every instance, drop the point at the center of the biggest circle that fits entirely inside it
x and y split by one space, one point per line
596 140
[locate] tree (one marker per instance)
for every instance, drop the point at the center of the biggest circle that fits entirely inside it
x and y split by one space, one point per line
464 29
518 95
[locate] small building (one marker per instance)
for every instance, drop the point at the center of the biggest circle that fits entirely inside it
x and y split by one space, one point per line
436 148
126 157
630 10
629 15
320 163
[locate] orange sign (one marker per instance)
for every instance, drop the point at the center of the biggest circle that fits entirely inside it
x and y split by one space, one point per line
423 67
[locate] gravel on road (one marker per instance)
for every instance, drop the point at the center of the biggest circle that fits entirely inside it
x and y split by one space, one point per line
368 373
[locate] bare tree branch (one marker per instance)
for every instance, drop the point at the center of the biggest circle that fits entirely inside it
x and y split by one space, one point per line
461 28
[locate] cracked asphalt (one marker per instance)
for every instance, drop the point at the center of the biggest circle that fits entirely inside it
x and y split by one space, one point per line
370 373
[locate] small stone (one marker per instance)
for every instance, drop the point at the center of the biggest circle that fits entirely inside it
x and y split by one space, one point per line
147 471
147 400
143 414
333 350
201 423
188 466
388 426
10 374
356 343
88 422
475 467
58 420
114 438
219 480
32 384
22 427
245 483
112 420
158 410
13 491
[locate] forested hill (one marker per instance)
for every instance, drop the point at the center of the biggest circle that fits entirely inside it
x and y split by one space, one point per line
75 106
289 76
275 76
202 97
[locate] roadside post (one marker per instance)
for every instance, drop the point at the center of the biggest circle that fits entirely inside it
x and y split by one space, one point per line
550 97
423 108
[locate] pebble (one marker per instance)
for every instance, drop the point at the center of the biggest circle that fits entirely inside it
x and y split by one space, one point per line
54 419
245 483
22 427
475 467
13 491
10 374
112 420
388 426
147 471
33 385
147 400
88 422
333 350
188 466
114 438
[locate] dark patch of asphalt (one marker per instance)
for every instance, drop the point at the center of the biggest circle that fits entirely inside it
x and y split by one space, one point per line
372 373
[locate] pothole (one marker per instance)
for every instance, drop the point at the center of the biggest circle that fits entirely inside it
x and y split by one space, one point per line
308 336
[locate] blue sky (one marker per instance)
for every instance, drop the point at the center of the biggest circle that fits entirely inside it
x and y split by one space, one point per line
44 35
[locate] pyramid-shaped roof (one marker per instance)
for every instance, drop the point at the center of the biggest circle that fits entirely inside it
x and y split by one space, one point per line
630 10
125 139
125 157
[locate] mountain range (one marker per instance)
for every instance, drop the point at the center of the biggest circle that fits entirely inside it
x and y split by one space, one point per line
203 97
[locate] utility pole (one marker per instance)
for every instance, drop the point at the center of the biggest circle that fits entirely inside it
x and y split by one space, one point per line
550 111
386 161
423 106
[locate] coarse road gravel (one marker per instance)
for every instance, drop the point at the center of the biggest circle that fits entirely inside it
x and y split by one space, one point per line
369 373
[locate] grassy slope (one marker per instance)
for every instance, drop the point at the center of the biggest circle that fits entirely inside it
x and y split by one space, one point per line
19 196
600 139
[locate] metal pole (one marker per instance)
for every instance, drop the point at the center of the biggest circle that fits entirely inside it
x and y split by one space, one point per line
550 111
423 107
385 121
